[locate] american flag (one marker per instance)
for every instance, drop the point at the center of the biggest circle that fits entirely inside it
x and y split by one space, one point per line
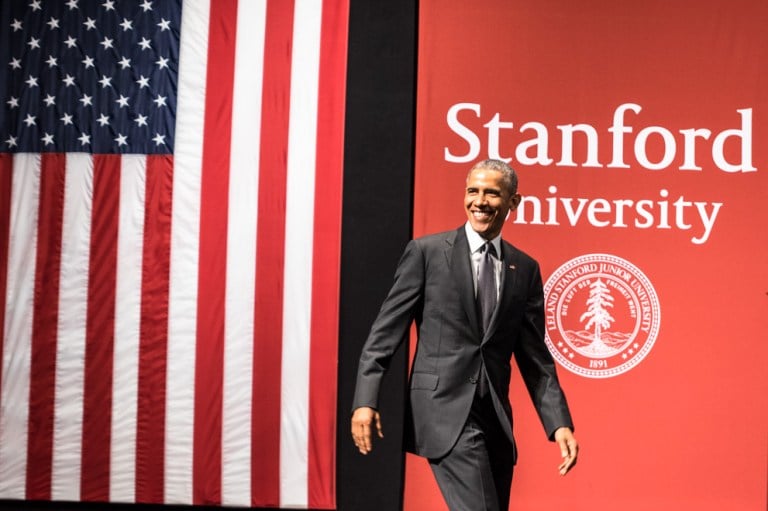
170 206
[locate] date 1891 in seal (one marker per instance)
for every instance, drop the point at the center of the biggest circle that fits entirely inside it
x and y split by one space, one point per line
602 315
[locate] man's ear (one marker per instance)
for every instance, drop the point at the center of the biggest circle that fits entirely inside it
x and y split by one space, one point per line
514 201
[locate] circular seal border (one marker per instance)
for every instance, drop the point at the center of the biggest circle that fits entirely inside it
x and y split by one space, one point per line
655 315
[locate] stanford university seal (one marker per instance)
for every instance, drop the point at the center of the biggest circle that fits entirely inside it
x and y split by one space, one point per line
602 315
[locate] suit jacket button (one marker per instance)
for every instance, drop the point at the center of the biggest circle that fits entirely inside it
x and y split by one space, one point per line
473 380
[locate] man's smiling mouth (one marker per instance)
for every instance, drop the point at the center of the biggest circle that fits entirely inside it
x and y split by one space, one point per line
482 215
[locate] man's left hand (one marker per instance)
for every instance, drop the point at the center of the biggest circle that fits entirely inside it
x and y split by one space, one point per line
569 449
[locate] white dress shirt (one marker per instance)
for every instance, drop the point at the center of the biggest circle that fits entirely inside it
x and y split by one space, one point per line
476 243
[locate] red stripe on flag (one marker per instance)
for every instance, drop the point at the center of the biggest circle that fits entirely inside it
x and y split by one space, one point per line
100 329
6 181
270 258
44 327
209 360
327 240
150 433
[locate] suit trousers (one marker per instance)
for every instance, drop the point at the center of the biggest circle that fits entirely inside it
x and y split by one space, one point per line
476 475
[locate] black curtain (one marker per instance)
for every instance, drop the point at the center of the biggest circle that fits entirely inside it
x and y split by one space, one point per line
377 218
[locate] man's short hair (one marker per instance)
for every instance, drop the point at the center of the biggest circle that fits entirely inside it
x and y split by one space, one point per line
508 173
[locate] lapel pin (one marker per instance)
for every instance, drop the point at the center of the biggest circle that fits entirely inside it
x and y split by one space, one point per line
512 267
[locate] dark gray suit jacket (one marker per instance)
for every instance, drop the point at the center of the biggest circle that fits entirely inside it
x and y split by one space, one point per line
434 286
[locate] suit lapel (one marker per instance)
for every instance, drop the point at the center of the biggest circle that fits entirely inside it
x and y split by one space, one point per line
461 269
508 282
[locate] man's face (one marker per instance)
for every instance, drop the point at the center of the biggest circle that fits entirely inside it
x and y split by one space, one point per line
487 202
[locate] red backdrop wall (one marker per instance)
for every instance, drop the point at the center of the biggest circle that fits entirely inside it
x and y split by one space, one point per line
638 133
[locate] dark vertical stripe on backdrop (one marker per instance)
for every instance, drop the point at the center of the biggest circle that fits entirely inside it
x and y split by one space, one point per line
378 169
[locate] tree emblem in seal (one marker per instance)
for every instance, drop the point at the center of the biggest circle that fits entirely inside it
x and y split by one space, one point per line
602 315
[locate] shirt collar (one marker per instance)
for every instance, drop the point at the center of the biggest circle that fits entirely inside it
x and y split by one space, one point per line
476 241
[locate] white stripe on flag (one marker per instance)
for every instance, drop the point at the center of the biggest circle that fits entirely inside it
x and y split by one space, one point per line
297 301
185 242
71 327
241 255
17 342
125 378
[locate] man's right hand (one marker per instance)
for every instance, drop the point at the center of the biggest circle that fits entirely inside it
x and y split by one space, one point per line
363 420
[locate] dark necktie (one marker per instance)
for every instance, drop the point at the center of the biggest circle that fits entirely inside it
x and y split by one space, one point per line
486 285
486 302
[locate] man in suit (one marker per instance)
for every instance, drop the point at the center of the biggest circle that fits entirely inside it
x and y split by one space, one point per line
476 300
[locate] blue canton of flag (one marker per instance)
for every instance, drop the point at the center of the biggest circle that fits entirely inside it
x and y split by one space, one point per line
89 76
